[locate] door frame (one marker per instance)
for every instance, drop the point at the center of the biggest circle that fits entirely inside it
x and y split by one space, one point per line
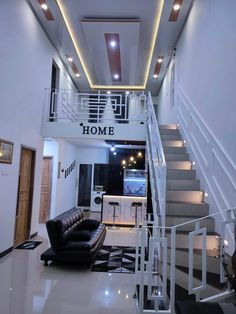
31 192
51 186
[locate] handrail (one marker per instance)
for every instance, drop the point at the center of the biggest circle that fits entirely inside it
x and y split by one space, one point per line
157 164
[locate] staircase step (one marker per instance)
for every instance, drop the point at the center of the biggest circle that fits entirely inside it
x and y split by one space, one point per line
208 223
174 150
182 240
169 131
182 259
193 197
174 208
168 127
176 143
187 185
170 137
180 174
185 165
177 157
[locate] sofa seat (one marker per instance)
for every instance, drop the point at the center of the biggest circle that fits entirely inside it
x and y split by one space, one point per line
73 239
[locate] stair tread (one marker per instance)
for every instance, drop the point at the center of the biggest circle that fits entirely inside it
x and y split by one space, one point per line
210 253
187 232
185 216
177 202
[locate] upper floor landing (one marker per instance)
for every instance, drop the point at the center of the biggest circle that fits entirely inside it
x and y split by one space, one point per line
69 114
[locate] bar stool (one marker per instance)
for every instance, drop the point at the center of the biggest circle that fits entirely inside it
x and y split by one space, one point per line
136 205
113 207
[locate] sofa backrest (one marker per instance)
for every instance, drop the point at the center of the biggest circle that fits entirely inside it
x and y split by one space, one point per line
59 227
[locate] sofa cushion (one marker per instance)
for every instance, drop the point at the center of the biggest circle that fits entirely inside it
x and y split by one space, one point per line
80 235
88 224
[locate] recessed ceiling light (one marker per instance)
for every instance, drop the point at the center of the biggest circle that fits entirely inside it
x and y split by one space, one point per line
77 75
127 93
113 43
44 6
114 153
116 76
108 92
176 7
159 60
155 76
69 59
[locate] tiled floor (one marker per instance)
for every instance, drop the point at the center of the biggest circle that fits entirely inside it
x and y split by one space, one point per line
28 287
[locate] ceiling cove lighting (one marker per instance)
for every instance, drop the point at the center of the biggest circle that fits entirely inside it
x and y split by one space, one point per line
71 32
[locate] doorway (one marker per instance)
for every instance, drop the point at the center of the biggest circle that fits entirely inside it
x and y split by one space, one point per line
25 196
46 187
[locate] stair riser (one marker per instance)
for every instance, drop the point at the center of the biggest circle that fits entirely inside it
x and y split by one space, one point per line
213 263
181 174
170 137
168 127
206 223
169 132
174 150
187 209
182 241
172 143
187 185
184 165
193 197
177 157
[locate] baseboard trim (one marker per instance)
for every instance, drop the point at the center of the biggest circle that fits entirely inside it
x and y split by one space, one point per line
6 252
33 235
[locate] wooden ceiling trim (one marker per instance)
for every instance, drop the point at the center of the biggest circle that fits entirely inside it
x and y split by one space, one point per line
47 13
175 14
113 54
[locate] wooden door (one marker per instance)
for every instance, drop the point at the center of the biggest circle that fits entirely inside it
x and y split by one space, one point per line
25 192
45 200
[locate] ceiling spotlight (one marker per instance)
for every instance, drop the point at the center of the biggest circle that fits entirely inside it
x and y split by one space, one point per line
155 76
159 60
123 162
108 92
116 76
127 92
69 59
176 7
77 75
44 6
113 148
131 158
114 153
113 43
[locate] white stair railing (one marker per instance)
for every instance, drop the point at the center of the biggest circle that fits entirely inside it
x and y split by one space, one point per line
157 165
163 257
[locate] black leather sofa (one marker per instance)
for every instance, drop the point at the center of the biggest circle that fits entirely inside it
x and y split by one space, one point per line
73 239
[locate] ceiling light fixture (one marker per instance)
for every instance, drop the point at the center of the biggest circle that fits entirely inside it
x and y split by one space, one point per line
114 153
127 93
176 7
123 162
44 6
113 43
159 60
108 92
113 148
155 76
140 154
77 75
69 59
116 76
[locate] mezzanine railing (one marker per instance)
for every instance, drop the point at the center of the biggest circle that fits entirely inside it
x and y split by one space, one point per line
70 106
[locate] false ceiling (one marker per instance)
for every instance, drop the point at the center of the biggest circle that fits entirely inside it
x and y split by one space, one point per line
139 29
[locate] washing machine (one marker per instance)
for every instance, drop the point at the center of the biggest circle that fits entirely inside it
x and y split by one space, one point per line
96 201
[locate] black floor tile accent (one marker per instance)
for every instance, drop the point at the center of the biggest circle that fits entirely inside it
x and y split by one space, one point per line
28 245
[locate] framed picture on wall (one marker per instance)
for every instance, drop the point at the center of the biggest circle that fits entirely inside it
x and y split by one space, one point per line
6 151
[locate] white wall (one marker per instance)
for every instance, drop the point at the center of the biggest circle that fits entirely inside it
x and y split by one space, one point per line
93 155
25 63
66 187
205 97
